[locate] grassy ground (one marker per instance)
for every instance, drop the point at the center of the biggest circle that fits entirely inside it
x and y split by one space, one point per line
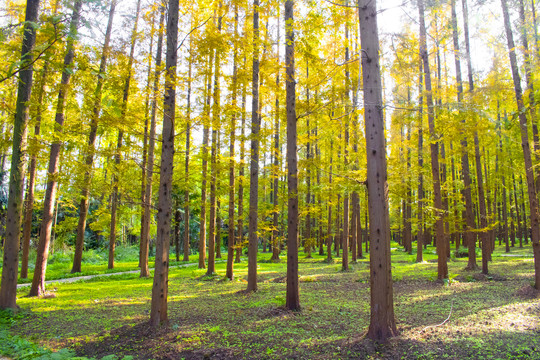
494 317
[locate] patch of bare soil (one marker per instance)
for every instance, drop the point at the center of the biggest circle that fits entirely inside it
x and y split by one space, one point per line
527 292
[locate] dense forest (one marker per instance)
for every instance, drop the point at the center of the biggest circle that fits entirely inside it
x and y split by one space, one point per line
222 128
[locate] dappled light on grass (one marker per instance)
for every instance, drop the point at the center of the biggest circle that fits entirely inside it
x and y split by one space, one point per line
211 317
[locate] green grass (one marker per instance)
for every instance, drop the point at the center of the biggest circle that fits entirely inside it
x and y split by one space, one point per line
209 317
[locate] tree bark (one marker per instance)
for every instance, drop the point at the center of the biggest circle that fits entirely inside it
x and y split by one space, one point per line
275 187
145 230
254 166
419 231
29 202
204 154
10 268
470 236
292 300
382 323
442 267
158 310
531 189
186 169
38 281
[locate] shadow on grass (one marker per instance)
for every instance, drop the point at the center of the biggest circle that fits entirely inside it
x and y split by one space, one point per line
211 320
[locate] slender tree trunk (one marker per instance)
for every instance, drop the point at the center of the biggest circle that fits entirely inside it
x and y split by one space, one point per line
89 159
292 300
241 173
177 220
29 206
254 166
204 151
470 236
533 200
518 215
525 230
145 230
329 227
38 281
186 169
529 78
232 139
419 231
382 324
117 156
407 228
275 188
10 268
145 138
442 268
213 159
158 310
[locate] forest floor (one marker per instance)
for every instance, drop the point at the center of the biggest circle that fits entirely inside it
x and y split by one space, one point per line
471 316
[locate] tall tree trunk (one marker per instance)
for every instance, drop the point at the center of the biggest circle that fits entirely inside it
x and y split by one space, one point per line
145 230
10 268
204 154
470 236
481 194
382 324
442 268
117 156
275 188
158 309
241 172
533 200
177 220
213 158
89 159
518 215
186 169
525 229
407 228
292 300
38 281
419 231
307 237
29 206
145 136
254 165
329 227
232 139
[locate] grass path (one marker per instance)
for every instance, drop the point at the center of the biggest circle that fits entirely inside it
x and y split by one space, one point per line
88 277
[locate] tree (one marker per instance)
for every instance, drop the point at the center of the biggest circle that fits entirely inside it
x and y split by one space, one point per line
531 189
38 282
470 236
117 156
146 218
254 164
94 121
158 311
292 301
382 325
10 268
232 139
442 268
